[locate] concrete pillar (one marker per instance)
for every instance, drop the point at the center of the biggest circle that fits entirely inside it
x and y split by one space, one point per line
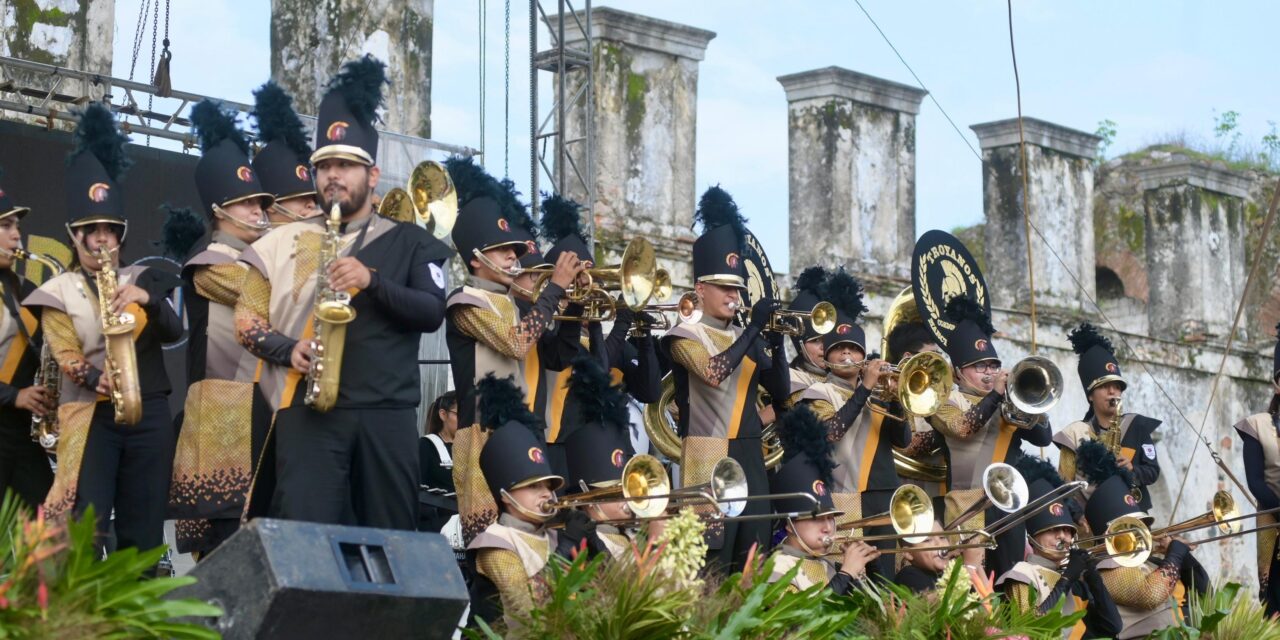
1060 191
1195 230
644 114
77 34
310 39
852 166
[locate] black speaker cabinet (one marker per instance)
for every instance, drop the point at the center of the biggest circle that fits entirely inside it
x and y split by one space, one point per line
283 579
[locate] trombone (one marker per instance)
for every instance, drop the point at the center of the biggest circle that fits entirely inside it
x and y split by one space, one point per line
924 382
1035 386
789 322
1127 540
429 200
728 489
910 514
1002 487
1223 514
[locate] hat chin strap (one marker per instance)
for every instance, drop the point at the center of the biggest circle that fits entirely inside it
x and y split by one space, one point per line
1050 553
72 235
800 540
284 211
81 246
260 228
536 516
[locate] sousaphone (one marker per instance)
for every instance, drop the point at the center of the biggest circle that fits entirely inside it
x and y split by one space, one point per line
429 200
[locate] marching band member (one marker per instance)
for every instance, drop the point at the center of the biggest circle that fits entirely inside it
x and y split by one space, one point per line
283 164
718 368
1260 439
24 465
922 569
224 414
1143 594
1056 569
806 468
908 339
634 362
599 448
508 556
356 463
486 331
975 433
808 367
865 477
1104 386
102 463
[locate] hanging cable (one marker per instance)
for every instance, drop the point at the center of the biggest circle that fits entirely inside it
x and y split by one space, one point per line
506 93
483 39
1026 193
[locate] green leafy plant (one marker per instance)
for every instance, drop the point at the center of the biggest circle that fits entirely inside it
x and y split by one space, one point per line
1226 613
53 585
1107 131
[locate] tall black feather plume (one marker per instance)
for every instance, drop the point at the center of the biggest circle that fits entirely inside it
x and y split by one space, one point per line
845 292
1096 463
1033 468
561 218
96 133
213 124
812 280
501 401
802 432
182 229
514 209
1085 337
472 181
964 308
716 207
360 82
600 401
277 120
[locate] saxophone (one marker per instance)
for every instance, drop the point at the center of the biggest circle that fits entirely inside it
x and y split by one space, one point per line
1111 439
122 357
44 429
333 311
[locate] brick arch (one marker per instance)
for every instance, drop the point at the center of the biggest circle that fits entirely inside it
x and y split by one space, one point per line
1131 271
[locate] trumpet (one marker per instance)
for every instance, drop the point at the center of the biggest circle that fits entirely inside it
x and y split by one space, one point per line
1035 386
924 382
789 321
636 278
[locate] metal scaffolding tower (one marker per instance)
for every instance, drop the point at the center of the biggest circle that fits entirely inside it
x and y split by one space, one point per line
552 151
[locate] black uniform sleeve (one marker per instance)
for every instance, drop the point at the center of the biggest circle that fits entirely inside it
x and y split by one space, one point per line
1040 435
419 305
1102 618
843 583
640 369
8 394
897 430
775 377
1255 474
161 318
1146 470
840 423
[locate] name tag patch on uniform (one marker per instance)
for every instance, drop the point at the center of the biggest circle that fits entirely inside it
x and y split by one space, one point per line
1149 450
437 274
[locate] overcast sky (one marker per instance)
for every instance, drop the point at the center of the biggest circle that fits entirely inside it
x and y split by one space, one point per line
1155 68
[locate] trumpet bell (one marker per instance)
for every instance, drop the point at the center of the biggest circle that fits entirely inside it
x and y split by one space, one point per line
642 477
1128 541
924 382
1005 487
1035 385
823 318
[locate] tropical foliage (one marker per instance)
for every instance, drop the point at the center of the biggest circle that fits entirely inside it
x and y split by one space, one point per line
54 584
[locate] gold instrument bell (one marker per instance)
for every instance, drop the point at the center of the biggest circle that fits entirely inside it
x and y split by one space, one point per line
790 322
636 277
644 487
429 201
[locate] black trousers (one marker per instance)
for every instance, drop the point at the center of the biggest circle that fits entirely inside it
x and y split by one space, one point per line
739 537
127 468
876 502
347 466
24 465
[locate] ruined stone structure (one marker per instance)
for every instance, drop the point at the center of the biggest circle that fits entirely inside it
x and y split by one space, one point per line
852 170
1059 194
644 116
311 39
67 33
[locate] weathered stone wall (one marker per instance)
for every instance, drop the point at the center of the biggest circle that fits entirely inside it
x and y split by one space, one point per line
851 158
310 39
644 114
1060 192
1193 214
77 34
